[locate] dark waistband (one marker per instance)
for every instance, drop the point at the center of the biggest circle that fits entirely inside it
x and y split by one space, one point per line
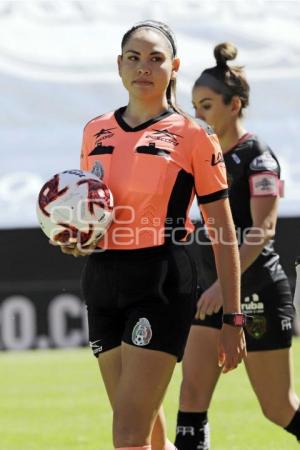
135 254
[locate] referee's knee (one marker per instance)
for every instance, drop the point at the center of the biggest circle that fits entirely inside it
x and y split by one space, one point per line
130 427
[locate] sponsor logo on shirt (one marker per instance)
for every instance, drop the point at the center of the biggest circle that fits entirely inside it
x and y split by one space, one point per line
165 136
217 159
236 158
264 184
104 133
265 161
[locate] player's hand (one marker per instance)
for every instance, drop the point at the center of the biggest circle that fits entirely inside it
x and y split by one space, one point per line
210 301
232 347
75 249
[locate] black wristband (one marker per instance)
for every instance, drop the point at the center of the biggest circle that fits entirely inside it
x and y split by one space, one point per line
237 319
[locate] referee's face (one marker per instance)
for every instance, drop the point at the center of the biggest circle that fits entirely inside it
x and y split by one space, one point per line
147 65
210 106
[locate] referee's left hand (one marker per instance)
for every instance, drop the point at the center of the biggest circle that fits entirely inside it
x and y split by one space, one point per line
75 249
232 347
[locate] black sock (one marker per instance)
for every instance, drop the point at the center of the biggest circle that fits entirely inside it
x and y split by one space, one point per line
192 431
294 425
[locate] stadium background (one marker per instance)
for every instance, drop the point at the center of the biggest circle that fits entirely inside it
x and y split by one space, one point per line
58 70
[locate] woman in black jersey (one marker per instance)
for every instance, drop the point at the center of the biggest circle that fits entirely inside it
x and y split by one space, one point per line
219 97
140 291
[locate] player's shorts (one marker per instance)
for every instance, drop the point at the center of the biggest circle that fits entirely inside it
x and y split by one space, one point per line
145 298
273 311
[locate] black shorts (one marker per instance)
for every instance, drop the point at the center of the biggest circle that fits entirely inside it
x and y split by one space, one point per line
145 298
273 311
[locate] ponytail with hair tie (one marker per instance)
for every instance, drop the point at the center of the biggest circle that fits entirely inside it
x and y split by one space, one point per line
229 81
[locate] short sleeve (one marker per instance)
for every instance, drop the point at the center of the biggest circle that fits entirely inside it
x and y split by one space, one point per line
263 173
264 162
209 169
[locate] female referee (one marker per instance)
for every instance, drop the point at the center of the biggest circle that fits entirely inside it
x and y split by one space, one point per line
139 284
219 96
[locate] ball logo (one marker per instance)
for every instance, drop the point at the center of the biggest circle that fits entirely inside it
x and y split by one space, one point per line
142 332
74 206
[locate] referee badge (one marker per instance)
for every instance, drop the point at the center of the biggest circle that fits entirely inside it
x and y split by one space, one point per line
98 170
142 332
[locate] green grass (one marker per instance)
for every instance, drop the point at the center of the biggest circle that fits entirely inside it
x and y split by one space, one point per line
54 400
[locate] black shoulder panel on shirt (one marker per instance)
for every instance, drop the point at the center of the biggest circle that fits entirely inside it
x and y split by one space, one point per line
177 207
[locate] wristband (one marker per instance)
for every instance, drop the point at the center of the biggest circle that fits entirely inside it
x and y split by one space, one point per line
237 319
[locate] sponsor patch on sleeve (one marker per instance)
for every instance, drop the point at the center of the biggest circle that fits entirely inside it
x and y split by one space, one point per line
265 161
264 185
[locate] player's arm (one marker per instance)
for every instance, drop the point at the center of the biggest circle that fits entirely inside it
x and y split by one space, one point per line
265 188
223 237
212 194
232 346
264 218
211 187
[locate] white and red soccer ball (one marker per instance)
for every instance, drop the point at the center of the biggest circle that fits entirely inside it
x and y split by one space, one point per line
75 204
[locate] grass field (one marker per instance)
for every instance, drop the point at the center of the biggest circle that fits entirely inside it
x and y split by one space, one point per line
54 400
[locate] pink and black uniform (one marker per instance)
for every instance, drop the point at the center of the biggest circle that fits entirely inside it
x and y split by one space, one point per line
252 170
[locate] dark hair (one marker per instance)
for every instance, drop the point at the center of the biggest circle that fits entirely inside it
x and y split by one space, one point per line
227 80
166 31
156 25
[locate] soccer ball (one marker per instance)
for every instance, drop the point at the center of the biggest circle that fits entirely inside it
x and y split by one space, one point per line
74 205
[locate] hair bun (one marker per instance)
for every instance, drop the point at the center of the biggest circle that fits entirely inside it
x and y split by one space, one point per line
225 52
